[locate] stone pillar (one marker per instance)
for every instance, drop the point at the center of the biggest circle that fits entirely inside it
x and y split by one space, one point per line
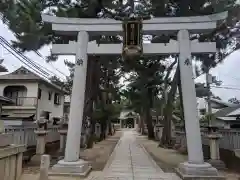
40 148
158 131
195 167
215 160
121 124
63 138
71 163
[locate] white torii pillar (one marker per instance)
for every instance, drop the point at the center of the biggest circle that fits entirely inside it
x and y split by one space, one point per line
71 163
195 167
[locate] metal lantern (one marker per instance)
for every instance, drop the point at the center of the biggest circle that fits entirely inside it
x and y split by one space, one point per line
132 39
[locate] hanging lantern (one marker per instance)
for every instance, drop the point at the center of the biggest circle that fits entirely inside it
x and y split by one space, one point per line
132 39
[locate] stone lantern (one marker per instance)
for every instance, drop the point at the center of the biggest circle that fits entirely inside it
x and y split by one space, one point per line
214 136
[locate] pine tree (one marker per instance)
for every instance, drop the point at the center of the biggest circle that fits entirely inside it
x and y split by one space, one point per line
24 19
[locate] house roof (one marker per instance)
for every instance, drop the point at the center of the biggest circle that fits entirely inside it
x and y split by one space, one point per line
24 74
226 111
127 114
227 118
235 113
222 102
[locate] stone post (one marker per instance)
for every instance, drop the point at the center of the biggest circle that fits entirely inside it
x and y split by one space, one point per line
71 163
40 148
215 160
44 167
19 165
63 138
158 131
195 167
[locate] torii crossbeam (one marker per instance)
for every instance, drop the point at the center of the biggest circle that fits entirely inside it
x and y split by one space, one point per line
148 49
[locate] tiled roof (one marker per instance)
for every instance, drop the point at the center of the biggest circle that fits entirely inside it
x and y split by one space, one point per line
226 111
24 74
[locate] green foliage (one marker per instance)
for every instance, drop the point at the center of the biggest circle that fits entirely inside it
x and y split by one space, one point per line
108 111
24 17
204 121
234 100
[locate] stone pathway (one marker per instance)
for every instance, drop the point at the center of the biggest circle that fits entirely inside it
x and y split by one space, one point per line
130 161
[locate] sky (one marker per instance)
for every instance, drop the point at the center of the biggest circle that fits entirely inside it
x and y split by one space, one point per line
228 72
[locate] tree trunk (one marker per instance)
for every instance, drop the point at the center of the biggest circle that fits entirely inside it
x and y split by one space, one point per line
95 77
181 101
88 102
148 115
164 94
142 127
166 139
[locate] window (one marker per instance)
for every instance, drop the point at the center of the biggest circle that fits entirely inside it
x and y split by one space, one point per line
39 93
202 111
49 95
57 99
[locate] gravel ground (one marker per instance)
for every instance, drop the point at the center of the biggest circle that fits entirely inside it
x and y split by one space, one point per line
168 159
98 155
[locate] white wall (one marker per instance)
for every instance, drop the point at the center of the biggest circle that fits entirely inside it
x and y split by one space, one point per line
222 124
48 105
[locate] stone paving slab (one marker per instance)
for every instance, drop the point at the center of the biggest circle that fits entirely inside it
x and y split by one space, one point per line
130 161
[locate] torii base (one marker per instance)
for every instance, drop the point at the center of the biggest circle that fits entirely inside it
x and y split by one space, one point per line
205 171
80 168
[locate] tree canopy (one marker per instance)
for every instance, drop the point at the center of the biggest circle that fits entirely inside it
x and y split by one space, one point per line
150 79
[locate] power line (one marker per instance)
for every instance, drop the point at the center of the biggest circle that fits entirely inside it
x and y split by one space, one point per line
33 63
24 57
229 88
38 53
226 74
58 70
52 65
25 63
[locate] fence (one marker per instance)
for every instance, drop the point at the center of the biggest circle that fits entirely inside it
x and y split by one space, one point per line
230 138
25 135
26 101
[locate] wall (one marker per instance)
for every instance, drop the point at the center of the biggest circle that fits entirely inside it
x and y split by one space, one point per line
222 124
11 162
48 105
32 87
227 156
229 143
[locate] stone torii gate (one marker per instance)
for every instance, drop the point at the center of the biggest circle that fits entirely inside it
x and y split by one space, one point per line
183 26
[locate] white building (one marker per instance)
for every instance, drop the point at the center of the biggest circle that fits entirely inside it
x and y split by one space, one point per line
216 104
33 97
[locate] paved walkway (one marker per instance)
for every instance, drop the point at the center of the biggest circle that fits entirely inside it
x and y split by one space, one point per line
130 161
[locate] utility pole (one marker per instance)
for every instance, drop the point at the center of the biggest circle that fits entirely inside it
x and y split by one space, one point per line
210 80
209 107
